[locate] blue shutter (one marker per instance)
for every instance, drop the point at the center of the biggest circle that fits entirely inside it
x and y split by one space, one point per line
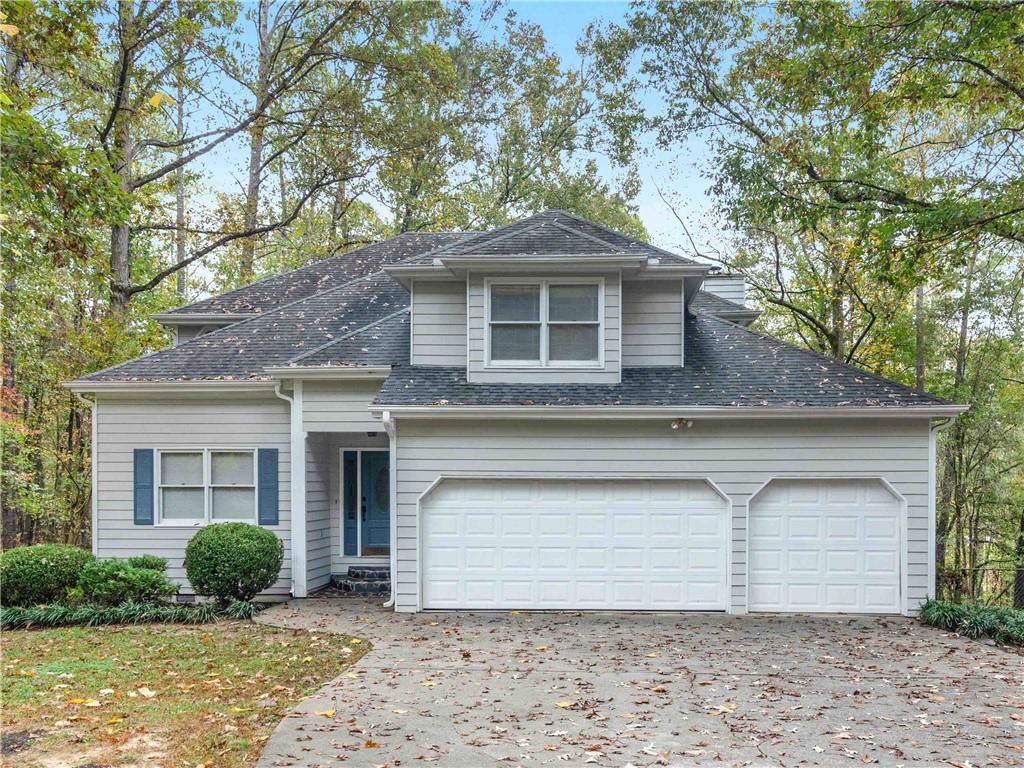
143 478
266 463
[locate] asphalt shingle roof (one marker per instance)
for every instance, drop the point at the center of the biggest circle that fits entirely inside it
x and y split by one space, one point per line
726 365
708 303
277 290
555 233
383 343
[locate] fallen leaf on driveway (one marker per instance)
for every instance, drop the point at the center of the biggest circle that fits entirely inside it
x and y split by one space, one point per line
564 704
328 713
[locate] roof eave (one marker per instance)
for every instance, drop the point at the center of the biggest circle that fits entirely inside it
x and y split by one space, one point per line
201 318
191 386
667 411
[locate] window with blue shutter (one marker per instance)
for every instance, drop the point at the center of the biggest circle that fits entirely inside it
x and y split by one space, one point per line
268 486
143 480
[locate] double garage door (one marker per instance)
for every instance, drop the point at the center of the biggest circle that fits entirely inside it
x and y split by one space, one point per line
647 544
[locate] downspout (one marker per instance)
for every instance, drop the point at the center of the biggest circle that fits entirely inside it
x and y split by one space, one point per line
391 428
933 432
94 472
298 487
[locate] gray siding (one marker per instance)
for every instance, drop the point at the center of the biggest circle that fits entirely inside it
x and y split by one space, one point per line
610 373
438 323
318 513
333 406
652 318
200 422
731 287
739 456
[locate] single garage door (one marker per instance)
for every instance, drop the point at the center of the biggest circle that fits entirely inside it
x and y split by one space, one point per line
574 544
825 546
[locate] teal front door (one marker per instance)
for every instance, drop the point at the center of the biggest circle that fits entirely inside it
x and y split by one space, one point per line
375 506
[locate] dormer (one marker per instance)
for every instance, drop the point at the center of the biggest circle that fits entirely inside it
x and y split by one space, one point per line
550 299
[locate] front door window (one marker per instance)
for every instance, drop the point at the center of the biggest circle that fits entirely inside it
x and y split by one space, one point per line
366 503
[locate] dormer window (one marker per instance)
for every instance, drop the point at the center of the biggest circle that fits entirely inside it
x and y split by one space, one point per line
554 323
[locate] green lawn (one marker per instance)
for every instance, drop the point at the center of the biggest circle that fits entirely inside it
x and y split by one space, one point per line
165 695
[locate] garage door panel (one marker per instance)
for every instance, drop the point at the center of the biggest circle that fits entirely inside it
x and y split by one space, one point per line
825 546
563 544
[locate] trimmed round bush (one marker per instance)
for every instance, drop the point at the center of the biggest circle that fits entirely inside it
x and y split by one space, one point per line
233 561
40 574
111 582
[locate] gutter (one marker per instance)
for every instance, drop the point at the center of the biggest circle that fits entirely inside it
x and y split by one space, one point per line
329 372
200 318
391 428
663 412
169 387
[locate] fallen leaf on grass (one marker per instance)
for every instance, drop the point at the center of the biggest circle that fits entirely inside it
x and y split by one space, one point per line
146 692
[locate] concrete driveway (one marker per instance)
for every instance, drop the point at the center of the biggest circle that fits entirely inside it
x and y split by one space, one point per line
531 689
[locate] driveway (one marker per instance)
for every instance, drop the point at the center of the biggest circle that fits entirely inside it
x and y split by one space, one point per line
531 689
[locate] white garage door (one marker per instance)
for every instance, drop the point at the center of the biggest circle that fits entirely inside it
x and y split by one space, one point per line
574 544
825 546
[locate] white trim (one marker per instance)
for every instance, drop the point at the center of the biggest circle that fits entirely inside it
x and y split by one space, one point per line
329 372
170 387
904 581
544 324
359 451
669 412
682 323
727 508
95 471
207 485
298 494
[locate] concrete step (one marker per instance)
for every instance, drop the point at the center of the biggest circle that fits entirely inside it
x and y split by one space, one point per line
349 585
370 572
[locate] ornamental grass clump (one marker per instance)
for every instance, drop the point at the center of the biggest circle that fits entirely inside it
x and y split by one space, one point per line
1004 625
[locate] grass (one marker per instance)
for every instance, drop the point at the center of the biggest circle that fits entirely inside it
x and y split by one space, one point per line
159 694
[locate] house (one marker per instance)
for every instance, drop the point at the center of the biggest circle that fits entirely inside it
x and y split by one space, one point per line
549 415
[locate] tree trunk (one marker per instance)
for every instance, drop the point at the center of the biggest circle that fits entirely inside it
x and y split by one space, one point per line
256 138
951 501
120 254
179 212
919 340
1018 574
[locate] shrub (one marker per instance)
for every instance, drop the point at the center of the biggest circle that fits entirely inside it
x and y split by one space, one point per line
241 609
40 574
1004 625
109 582
149 562
60 615
233 561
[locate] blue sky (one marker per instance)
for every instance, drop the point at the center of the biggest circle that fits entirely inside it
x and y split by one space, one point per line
677 173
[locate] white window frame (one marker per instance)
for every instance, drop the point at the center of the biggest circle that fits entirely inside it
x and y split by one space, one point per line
207 486
544 361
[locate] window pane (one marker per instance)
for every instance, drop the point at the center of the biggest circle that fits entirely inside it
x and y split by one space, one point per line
572 342
182 503
515 342
515 302
233 504
231 468
572 302
181 468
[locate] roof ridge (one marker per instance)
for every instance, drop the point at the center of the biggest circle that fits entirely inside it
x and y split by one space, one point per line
350 334
611 231
821 357
587 235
